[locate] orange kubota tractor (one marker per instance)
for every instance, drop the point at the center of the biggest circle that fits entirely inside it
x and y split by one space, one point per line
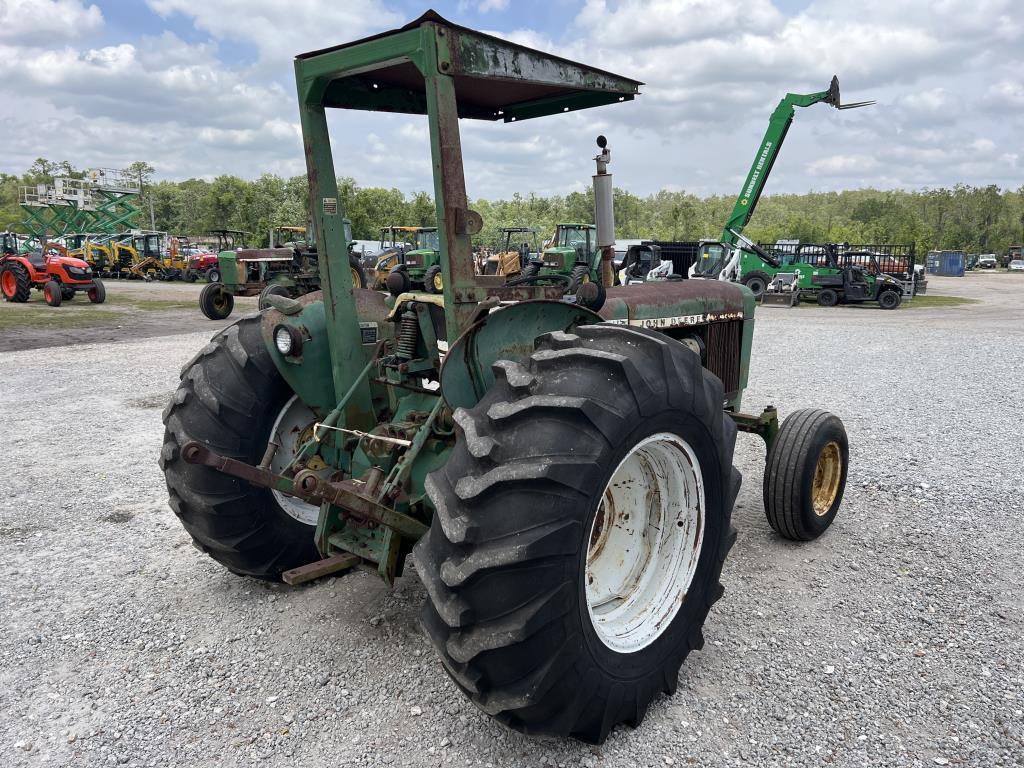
50 270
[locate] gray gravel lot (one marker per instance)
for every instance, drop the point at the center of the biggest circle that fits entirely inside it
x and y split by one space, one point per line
896 639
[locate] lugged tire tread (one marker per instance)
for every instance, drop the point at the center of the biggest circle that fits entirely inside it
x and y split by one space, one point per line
466 563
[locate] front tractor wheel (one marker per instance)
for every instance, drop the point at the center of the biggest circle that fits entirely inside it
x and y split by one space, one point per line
232 399
580 529
53 293
757 282
98 293
433 281
216 302
805 474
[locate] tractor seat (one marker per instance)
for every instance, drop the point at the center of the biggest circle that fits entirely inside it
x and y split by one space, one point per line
37 259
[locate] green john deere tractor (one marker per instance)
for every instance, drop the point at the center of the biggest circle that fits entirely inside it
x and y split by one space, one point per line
574 255
420 266
287 268
562 478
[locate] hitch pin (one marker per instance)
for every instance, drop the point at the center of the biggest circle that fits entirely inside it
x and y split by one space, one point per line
396 440
268 456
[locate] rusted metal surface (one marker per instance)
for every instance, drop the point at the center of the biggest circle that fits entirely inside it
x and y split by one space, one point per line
765 425
497 79
320 568
350 496
507 334
347 494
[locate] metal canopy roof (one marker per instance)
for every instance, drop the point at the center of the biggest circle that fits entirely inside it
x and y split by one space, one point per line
494 78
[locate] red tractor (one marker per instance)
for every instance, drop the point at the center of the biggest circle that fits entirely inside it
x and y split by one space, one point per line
51 271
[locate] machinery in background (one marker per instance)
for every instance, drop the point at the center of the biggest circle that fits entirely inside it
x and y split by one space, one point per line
50 270
782 291
517 246
736 262
419 266
290 270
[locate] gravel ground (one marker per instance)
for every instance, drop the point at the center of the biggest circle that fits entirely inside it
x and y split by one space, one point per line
896 639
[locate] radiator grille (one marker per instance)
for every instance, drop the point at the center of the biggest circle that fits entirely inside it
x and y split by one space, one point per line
724 349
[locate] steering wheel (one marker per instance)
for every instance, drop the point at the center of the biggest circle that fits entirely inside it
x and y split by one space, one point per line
534 279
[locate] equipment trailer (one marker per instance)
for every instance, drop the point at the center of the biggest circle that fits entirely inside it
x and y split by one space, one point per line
564 479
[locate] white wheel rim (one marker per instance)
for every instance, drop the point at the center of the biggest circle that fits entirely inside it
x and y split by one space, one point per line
292 426
645 543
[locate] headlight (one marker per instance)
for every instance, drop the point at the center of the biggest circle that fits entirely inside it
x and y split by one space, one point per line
288 340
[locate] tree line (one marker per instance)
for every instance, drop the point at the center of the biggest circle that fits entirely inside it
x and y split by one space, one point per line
975 219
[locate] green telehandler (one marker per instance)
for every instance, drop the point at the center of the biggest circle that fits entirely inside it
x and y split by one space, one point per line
741 260
562 478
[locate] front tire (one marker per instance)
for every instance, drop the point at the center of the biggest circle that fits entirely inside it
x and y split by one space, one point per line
433 282
216 302
889 299
213 275
522 504
98 293
805 474
827 297
757 282
229 399
53 293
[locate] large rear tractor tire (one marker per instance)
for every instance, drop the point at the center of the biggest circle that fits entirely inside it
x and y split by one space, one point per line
580 529
271 290
805 474
15 283
216 302
355 268
231 398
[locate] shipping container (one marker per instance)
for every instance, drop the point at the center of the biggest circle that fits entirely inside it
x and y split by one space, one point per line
952 263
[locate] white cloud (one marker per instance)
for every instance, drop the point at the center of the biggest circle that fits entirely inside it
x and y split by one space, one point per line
485 6
951 106
842 165
279 30
30 21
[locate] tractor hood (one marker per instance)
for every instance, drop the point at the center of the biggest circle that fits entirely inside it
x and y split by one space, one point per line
69 261
677 303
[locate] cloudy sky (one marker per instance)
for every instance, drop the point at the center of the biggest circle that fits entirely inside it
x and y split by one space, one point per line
204 87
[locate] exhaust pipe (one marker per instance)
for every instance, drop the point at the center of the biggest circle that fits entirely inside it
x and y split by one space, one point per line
604 212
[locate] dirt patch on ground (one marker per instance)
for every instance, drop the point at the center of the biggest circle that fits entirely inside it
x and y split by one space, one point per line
132 311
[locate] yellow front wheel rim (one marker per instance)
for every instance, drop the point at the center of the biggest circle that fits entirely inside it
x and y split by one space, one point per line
827 474
438 282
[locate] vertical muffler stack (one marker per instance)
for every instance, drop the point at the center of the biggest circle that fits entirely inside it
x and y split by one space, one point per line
604 212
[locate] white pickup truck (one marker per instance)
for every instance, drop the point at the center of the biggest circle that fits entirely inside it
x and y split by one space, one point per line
987 261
